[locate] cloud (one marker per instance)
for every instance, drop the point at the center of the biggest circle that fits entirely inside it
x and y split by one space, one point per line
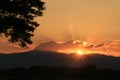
99 45
89 46
108 47
54 46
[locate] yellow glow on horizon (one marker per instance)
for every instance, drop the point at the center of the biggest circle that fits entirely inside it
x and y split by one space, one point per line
76 51
80 52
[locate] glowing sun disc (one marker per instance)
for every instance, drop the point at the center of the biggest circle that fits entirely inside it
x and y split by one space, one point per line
79 52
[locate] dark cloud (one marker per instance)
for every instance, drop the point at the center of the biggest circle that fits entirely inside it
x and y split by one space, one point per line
53 46
89 46
99 45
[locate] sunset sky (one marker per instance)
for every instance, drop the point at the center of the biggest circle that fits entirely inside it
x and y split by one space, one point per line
87 20
91 20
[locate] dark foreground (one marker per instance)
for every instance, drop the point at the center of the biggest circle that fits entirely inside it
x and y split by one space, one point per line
59 73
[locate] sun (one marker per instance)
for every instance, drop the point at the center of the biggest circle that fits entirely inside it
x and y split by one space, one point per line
79 52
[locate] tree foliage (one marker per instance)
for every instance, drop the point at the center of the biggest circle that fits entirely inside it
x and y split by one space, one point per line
17 19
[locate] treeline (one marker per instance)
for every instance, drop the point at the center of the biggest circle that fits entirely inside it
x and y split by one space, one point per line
59 73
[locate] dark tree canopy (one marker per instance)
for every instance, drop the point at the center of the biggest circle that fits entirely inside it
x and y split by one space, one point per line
17 19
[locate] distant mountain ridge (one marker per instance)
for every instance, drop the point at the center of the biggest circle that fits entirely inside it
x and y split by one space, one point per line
47 58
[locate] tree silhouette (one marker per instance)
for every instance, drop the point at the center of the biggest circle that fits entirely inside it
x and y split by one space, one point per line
17 19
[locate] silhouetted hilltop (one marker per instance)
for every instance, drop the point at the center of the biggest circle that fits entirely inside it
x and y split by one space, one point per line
54 59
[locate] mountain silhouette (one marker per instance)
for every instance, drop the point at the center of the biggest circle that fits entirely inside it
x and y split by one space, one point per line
54 59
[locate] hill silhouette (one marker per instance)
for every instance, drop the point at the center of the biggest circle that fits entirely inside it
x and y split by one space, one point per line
54 59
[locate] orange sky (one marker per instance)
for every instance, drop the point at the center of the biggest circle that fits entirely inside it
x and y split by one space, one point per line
86 20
